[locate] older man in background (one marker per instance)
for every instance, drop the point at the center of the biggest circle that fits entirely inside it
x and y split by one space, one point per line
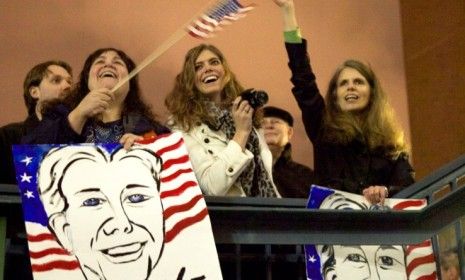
292 178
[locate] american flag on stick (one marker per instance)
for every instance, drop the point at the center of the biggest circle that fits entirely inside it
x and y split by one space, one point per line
223 13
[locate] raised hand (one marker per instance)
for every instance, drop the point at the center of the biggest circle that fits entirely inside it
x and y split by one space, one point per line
288 12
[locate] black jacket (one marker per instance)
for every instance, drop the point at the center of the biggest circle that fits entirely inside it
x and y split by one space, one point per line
351 167
11 134
292 178
55 129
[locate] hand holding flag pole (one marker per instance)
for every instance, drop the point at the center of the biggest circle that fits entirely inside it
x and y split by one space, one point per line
201 26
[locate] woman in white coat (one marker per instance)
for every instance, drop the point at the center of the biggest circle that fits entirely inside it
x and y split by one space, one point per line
228 154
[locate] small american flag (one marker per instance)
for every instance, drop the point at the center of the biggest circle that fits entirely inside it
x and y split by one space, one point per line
223 13
180 194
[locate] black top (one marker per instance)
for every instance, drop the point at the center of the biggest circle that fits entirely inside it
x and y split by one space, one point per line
292 178
11 134
55 129
351 167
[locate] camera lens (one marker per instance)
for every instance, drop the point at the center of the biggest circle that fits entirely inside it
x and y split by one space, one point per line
256 98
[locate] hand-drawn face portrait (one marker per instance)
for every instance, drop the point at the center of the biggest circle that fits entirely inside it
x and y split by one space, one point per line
357 262
105 208
364 262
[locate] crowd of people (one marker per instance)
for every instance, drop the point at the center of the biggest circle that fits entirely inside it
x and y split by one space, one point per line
235 149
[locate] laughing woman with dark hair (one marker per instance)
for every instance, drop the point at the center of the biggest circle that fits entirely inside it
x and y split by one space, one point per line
94 114
358 145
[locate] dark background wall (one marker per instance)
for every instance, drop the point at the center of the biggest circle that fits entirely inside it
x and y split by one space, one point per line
434 50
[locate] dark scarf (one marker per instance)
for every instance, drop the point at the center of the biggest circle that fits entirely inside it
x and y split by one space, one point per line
254 180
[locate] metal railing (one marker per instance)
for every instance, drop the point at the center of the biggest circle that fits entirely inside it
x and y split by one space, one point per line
267 221
437 188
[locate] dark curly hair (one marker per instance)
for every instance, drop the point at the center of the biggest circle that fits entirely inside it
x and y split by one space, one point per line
133 101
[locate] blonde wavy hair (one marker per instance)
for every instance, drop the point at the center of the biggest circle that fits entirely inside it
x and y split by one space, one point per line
186 103
376 125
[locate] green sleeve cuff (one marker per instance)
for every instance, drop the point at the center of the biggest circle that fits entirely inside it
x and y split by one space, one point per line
293 36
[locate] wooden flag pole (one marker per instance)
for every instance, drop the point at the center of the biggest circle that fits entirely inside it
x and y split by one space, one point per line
175 37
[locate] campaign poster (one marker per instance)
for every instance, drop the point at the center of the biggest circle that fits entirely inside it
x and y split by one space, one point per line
98 211
380 262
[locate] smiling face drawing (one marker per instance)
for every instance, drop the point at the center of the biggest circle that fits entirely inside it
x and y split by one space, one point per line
112 219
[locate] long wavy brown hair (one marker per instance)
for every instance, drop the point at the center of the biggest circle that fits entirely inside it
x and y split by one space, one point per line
186 103
375 125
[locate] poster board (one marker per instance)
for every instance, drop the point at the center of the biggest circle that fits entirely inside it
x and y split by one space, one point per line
381 262
97 211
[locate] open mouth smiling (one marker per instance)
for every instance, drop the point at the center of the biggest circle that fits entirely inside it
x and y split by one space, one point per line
210 79
124 253
108 74
351 97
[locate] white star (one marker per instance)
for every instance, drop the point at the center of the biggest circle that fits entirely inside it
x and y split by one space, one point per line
25 178
27 160
312 259
29 194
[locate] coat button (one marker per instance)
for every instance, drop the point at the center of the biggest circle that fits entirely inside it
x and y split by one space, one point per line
206 140
230 169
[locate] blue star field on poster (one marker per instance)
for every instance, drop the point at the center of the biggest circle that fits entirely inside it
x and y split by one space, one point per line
27 159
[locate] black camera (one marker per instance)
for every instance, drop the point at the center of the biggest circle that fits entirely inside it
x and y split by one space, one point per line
256 98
